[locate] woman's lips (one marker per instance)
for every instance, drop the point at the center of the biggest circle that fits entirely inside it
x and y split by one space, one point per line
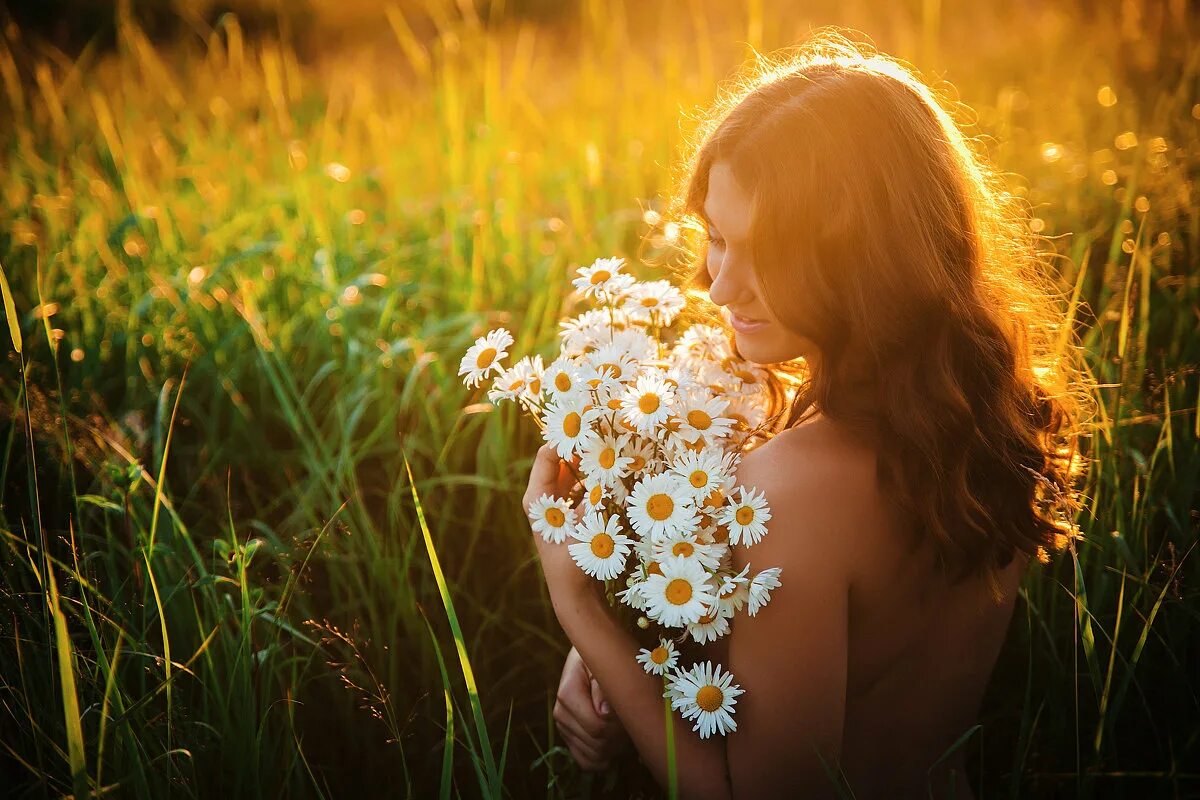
746 324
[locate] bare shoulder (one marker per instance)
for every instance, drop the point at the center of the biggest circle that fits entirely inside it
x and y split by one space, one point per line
821 484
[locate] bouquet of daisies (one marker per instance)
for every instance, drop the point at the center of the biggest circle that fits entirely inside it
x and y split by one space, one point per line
657 417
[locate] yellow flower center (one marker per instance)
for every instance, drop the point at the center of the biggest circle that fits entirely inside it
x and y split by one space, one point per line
746 375
602 545
684 549
615 369
535 386
678 592
698 479
744 515
571 424
699 420
596 494
659 655
608 457
516 385
562 382
706 619
638 463
709 698
615 404
715 498
600 276
649 302
660 506
486 357
648 403
555 517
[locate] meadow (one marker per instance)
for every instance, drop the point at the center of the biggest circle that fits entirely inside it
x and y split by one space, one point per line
240 271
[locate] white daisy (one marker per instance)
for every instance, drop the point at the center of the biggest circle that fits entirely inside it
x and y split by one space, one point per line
521 380
647 403
746 411
633 595
734 591
680 595
603 279
601 380
702 416
608 396
551 517
712 626
659 504
590 330
706 696
594 494
701 473
704 341
562 377
568 424
602 549
659 660
657 302
597 274
686 545
615 361
744 371
760 588
636 342
746 516
484 357
602 461
641 450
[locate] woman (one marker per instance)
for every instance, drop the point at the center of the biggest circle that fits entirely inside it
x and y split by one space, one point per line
858 244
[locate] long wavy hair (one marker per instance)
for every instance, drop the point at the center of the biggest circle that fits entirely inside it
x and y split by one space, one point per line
880 233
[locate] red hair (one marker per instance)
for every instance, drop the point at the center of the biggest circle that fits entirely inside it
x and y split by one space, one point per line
880 234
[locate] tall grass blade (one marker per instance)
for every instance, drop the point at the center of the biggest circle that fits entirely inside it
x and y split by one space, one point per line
489 762
70 696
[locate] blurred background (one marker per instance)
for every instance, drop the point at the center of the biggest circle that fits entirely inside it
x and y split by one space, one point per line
245 244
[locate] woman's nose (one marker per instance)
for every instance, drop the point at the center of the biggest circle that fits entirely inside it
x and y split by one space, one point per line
727 288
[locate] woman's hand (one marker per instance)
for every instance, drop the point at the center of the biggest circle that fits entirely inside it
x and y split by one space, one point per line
587 723
555 477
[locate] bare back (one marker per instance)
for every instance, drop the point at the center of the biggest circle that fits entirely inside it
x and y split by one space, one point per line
920 651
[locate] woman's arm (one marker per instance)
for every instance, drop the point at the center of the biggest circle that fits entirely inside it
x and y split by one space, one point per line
791 658
610 652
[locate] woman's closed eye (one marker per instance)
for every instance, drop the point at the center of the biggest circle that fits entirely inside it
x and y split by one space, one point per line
714 238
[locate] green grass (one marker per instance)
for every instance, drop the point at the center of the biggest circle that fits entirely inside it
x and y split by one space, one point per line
229 585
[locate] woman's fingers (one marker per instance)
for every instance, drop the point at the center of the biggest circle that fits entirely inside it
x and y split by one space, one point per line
579 742
543 476
551 475
599 703
593 738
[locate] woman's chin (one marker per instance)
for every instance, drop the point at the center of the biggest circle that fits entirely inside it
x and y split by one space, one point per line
753 349
761 348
